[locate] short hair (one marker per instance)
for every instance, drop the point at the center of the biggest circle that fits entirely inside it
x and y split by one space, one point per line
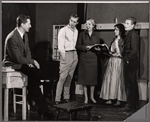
121 29
21 19
133 20
92 21
75 16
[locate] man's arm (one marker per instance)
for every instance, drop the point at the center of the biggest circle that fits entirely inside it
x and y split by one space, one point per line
61 42
16 54
28 52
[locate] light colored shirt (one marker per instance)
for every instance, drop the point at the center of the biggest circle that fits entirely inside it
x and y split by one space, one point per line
21 34
67 38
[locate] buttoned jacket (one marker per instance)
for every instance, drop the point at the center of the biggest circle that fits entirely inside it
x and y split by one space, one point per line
131 46
16 52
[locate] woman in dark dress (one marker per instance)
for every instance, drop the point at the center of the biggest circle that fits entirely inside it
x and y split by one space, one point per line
88 67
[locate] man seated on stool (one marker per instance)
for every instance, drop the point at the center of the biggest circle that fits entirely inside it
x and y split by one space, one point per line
17 54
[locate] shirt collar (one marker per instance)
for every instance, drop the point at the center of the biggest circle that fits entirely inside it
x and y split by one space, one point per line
71 28
93 33
21 34
129 31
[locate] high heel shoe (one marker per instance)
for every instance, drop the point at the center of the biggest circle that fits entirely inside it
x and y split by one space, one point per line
108 102
118 103
86 102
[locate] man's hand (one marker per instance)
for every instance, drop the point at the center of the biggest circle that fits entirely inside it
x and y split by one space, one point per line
36 64
30 65
62 55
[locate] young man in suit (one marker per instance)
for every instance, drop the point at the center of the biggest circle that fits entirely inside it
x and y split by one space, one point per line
17 54
130 53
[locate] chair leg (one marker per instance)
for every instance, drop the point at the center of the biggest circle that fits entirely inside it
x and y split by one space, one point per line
41 86
14 100
89 114
70 116
6 94
52 90
28 104
75 115
57 115
24 103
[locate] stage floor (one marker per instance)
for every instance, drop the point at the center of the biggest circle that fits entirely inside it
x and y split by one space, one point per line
99 112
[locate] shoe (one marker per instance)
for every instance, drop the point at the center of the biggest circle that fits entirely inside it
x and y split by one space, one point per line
85 101
66 101
33 106
118 103
108 102
47 115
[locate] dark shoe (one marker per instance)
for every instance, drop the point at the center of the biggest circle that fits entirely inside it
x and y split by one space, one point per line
66 101
48 115
33 106
118 103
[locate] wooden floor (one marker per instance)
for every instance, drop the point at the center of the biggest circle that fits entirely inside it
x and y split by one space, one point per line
100 112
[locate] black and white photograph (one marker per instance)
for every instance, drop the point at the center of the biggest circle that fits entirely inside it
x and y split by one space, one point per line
75 61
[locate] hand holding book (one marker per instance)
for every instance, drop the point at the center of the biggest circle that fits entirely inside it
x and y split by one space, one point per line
88 47
115 54
98 47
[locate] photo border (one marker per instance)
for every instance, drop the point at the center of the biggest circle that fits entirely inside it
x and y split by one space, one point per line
145 109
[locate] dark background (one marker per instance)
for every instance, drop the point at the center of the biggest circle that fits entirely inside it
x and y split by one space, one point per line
44 15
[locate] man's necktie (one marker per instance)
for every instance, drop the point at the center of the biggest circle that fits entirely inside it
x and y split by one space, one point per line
24 38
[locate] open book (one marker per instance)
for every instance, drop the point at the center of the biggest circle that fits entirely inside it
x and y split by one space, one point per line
103 47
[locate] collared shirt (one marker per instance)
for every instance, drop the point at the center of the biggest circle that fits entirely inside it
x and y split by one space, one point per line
21 34
67 38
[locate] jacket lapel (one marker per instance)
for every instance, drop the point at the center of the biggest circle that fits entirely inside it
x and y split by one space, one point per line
19 38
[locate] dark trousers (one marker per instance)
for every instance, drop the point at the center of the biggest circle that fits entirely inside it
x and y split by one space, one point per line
34 92
131 84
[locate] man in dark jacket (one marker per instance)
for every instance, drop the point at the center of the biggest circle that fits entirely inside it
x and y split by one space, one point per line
17 54
130 53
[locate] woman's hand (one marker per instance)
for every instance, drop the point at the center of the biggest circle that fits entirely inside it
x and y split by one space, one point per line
116 55
97 49
88 47
30 65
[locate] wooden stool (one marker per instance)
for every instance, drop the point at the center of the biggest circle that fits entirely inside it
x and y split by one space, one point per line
14 79
73 107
